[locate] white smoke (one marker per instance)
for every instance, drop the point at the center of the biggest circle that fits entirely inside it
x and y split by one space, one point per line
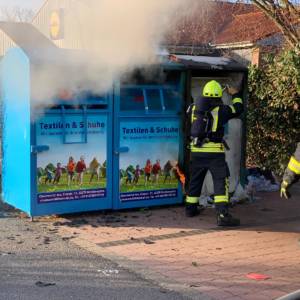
115 36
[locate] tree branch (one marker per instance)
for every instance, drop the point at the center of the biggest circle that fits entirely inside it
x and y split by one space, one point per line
284 16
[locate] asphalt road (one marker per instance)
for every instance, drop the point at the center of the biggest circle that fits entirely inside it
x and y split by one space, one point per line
37 264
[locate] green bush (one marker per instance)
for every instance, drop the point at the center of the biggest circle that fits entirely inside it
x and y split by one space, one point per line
274 111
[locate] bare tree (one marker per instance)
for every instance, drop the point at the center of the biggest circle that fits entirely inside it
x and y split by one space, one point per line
16 14
285 14
204 20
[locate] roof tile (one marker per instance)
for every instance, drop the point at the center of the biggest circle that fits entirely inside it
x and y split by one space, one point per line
249 27
222 23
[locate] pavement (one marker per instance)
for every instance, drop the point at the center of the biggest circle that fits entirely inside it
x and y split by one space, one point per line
36 264
193 256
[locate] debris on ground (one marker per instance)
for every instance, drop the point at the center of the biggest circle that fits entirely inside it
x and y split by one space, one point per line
46 240
73 223
256 276
109 272
6 253
261 181
44 284
148 242
67 238
267 209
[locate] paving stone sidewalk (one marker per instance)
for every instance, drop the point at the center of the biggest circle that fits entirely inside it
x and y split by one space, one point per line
196 257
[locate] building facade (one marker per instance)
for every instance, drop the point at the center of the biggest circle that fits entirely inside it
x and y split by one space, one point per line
60 21
231 29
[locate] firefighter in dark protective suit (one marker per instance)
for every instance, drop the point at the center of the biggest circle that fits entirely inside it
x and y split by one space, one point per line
208 117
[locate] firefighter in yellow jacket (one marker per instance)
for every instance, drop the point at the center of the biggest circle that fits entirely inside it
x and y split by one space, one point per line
208 118
291 173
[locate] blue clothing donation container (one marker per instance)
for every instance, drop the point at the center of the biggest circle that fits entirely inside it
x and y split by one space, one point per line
90 152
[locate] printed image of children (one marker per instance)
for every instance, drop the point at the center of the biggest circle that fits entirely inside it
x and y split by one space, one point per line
49 175
71 170
80 169
94 169
137 174
168 171
148 170
156 170
129 174
122 176
40 174
58 173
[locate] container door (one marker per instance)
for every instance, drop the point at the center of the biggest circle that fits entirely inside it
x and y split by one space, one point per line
72 160
148 146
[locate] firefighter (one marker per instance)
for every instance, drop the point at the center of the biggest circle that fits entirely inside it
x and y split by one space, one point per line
208 117
292 171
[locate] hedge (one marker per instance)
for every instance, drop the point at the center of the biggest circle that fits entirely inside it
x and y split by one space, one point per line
273 119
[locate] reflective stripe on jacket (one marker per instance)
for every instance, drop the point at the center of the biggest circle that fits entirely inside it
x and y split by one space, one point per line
293 168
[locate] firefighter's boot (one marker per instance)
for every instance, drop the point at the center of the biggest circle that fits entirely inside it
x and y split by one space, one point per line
225 219
191 210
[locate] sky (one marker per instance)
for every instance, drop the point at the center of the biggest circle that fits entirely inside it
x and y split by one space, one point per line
32 4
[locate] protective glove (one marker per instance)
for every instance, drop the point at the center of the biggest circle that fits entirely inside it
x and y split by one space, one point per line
283 190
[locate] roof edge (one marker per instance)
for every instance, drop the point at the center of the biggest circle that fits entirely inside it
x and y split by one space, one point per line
235 45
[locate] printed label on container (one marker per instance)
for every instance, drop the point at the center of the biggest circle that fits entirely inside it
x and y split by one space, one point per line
74 168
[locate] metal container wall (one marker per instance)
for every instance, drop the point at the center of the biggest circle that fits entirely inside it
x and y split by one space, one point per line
148 131
89 152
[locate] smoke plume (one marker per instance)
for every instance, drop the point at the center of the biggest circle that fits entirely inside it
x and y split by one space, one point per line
114 37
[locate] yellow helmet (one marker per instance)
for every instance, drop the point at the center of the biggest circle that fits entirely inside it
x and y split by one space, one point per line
213 89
